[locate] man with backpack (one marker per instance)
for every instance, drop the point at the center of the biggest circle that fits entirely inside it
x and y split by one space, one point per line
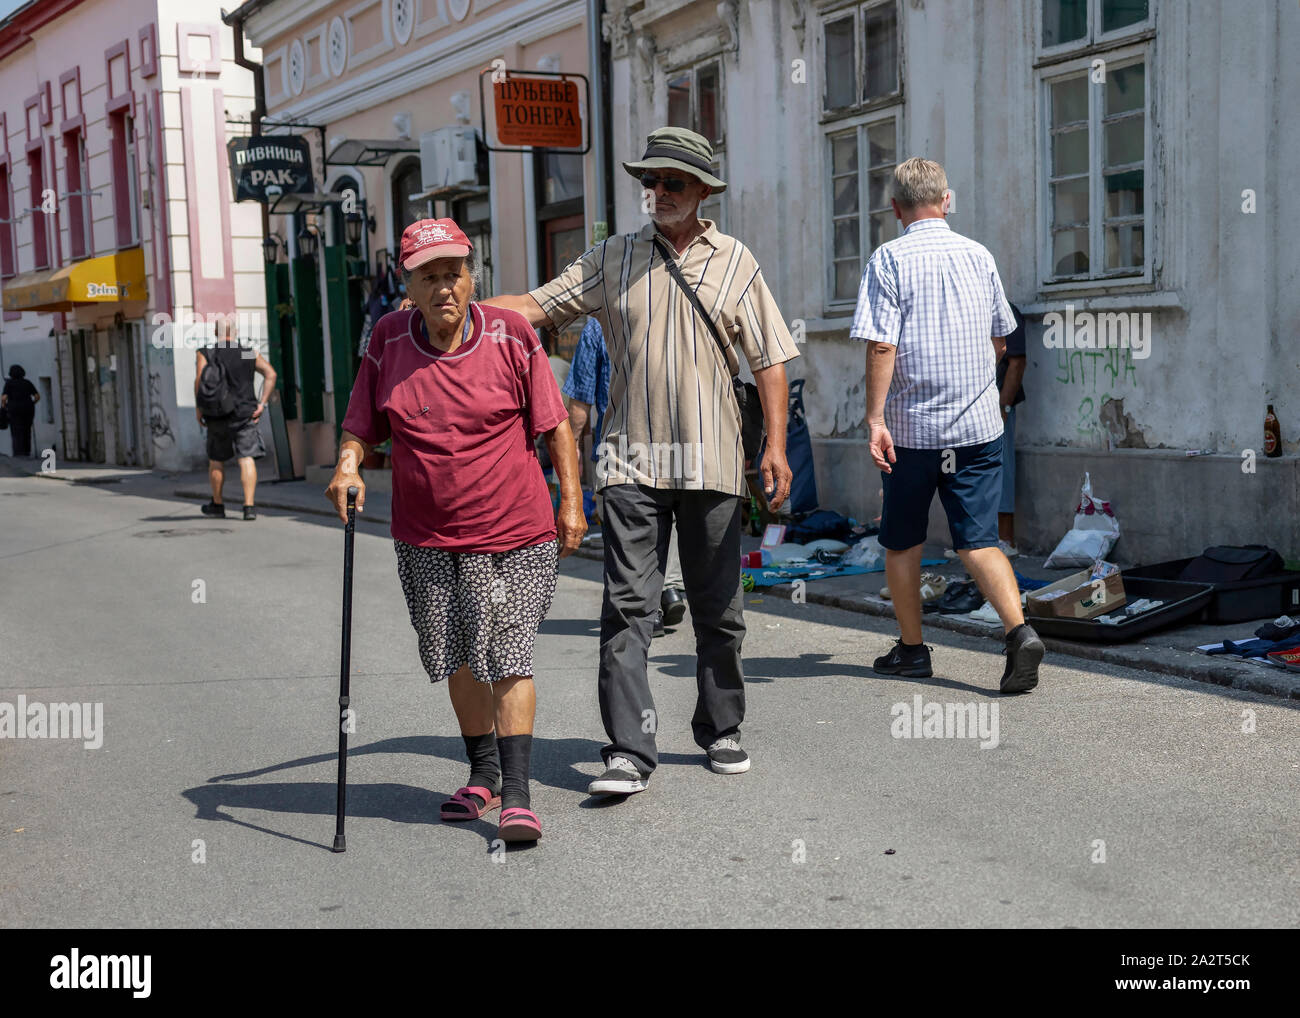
226 404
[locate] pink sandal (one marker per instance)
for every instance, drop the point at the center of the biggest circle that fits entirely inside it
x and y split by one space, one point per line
470 810
519 825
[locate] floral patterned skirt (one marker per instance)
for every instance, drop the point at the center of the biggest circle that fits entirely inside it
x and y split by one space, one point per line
481 610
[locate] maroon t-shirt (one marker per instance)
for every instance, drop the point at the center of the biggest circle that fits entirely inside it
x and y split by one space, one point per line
465 473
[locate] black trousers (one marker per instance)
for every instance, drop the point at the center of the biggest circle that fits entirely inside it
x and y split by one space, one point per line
636 531
20 430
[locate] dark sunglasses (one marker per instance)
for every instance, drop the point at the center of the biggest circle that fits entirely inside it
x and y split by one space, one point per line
673 185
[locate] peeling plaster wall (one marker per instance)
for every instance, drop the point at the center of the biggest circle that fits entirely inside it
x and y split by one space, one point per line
1224 298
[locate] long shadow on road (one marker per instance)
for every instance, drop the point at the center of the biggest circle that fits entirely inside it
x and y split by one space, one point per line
553 764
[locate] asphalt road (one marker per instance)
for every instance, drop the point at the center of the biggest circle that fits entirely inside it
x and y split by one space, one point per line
210 801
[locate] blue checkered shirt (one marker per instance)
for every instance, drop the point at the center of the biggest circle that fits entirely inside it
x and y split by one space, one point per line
936 296
588 380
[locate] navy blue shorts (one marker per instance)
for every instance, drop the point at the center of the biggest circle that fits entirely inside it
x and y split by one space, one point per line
970 492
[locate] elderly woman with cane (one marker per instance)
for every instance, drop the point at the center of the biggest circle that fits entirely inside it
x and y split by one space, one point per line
463 390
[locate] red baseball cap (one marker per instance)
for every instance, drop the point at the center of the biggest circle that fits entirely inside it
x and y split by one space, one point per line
427 239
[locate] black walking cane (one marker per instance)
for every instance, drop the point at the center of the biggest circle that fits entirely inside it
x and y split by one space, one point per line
340 844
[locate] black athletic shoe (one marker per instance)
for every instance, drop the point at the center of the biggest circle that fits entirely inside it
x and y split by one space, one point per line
726 756
1024 652
911 662
216 509
620 778
250 513
673 605
659 626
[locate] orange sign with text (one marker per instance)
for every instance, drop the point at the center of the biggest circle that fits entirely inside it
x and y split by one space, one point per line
542 112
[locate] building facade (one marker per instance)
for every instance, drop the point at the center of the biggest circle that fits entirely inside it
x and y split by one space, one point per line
119 239
1122 161
389 94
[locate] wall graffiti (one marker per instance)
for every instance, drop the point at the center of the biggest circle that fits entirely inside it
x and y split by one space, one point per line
1091 371
159 426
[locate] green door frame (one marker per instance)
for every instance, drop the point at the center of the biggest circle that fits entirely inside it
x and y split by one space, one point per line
344 309
311 342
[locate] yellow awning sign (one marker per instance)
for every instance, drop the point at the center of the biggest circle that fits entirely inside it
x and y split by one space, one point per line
108 279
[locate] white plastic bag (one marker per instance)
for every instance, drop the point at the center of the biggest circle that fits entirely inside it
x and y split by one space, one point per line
1094 534
866 553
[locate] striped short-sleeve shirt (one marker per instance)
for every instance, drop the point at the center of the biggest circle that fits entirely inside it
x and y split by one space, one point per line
672 420
936 296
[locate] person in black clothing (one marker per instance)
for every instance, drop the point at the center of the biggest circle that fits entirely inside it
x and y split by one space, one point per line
236 436
1010 373
19 399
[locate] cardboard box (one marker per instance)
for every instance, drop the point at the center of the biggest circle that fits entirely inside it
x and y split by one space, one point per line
1082 598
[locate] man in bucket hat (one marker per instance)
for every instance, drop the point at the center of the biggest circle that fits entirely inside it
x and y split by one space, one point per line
671 448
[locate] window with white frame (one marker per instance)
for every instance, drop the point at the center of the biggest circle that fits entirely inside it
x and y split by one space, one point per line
861 113
1069 23
860 54
695 102
862 161
1096 140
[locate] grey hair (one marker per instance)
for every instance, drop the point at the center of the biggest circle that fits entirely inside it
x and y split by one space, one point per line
919 182
471 263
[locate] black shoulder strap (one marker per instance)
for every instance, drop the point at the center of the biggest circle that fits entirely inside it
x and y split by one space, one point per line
676 273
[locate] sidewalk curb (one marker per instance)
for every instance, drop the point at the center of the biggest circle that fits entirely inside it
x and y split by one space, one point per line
1247 677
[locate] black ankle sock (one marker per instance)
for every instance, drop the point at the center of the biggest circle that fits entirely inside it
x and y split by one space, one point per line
911 646
516 754
484 764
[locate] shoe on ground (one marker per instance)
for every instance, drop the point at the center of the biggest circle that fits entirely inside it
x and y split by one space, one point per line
949 553
910 662
884 593
986 614
1024 653
250 512
659 629
933 586
217 509
620 778
726 757
673 606
1008 549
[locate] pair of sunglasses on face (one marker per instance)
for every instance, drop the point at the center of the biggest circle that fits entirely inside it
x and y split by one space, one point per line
673 185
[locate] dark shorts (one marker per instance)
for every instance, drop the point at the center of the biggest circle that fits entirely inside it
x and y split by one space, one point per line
969 491
230 438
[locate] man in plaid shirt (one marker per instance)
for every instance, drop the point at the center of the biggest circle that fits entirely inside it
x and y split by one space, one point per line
934 316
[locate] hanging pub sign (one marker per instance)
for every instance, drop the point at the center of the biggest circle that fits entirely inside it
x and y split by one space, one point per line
535 109
269 165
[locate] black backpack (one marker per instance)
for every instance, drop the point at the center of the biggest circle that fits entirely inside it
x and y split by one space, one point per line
1230 564
216 396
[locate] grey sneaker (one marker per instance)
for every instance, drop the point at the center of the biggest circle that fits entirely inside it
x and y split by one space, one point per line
620 778
726 757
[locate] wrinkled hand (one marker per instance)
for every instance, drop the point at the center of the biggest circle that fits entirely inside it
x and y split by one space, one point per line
777 478
881 445
570 526
337 492
257 412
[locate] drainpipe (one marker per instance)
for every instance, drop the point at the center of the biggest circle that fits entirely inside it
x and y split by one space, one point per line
596 57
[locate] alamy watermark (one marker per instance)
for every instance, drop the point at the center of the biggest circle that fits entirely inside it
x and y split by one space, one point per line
23 720
1086 330
934 720
662 460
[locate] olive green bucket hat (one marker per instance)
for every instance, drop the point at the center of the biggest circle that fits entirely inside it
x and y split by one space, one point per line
675 148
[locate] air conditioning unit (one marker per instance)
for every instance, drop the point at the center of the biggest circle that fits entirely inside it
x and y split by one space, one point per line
449 159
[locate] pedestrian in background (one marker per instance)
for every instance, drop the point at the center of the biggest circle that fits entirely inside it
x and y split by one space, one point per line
463 399
587 386
1011 393
933 313
234 435
19 399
